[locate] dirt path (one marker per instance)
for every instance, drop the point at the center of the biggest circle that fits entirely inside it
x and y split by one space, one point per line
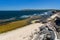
21 33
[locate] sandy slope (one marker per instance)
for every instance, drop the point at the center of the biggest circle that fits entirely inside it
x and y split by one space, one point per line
21 33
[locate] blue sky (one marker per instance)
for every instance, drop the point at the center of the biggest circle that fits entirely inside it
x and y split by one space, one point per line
29 4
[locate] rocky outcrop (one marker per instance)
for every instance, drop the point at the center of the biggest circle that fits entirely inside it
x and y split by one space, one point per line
48 31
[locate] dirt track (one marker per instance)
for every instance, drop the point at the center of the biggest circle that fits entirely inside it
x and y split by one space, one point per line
21 33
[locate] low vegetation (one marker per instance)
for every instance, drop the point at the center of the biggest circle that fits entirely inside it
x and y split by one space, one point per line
13 25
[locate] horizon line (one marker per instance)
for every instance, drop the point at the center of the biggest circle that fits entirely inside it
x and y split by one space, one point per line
30 9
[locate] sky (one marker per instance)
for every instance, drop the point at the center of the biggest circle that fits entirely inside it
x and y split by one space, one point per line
29 4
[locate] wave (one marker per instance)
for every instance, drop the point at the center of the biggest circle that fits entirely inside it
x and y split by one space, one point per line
10 19
25 16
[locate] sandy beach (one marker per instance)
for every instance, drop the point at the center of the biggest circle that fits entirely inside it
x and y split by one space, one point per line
20 33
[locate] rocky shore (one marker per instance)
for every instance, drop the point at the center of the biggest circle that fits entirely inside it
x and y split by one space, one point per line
36 31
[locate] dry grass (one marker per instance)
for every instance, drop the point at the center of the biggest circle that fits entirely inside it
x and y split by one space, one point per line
13 25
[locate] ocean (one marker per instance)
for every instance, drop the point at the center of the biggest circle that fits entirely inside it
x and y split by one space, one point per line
19 14
10 14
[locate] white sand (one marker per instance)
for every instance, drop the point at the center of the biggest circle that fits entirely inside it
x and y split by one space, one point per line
20 33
